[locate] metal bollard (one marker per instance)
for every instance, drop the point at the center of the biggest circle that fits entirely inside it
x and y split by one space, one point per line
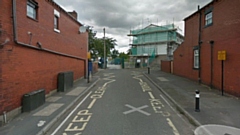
148 70
197 96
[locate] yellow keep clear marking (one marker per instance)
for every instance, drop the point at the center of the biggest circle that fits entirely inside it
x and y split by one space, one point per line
175 131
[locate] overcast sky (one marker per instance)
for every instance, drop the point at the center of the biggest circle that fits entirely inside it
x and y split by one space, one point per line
118 17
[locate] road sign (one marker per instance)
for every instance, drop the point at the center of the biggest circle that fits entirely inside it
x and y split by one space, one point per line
88 55
222 55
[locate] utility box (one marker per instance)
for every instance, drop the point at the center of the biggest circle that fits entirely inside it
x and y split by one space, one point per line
33 100
65 81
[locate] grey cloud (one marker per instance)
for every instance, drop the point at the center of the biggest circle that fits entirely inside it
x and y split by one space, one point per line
119 16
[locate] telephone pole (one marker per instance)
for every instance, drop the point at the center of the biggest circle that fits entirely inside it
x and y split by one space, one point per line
104 49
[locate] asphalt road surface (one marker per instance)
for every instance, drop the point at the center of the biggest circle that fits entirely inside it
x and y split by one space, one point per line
123 102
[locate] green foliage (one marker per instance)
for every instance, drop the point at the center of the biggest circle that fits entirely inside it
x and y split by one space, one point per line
115 53
123 55
96 45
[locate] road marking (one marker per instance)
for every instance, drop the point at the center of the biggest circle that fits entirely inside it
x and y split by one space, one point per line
56 130
139 109
151 95
175 131
92 103
174 109
41 123
48 110
163 79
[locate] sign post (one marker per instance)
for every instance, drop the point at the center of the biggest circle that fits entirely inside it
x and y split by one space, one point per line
222 55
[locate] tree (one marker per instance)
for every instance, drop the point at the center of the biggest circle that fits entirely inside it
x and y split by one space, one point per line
96 45
115 53
123 55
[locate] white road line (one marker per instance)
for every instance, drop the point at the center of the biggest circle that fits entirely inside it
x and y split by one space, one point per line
134 109
166 101
92 103
174 109
69 115
151 95
175 131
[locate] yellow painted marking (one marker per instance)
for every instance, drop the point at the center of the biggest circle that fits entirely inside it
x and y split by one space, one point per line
92 103
84 112
151 95
56 130
76 128
76 119
175 131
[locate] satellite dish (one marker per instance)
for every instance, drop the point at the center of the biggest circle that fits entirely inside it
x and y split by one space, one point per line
82 29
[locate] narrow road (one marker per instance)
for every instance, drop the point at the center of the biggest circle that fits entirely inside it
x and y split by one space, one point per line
123 102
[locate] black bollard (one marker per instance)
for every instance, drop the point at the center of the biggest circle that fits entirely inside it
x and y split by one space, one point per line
197 96
148 70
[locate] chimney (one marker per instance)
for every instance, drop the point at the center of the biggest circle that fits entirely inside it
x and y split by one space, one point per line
73 14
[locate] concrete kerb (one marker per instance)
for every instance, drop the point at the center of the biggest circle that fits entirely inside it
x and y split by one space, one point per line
179 108
52 122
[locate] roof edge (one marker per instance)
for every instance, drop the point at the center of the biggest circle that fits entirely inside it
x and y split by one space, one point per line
67 13
198 10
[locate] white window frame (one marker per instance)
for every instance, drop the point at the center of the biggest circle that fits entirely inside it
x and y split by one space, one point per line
208 18
56 16
196 58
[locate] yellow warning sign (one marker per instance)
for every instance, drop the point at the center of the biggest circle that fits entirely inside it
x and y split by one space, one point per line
222 55
89 55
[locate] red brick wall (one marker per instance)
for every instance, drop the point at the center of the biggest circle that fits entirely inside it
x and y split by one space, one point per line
166 66
24 69
225 32
183 56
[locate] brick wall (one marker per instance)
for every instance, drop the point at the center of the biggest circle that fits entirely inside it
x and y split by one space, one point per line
183 56
225 32
25 69
166 66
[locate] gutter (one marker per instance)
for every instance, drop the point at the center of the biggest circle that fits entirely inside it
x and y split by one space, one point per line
40 48
199 45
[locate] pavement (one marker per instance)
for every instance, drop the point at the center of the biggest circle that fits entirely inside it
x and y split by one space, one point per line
215 109
40 120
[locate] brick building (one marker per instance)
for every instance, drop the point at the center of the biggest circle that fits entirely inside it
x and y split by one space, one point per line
213 28
38 39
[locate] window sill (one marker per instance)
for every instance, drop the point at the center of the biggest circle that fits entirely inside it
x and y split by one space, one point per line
208 25
195 68
56 30
32 18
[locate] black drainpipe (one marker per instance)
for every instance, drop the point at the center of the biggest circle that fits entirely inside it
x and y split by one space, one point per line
212 43
199 45
15 34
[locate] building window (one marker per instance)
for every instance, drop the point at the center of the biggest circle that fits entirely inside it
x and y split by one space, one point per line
56 24
56 21
208 19
32 7
196 58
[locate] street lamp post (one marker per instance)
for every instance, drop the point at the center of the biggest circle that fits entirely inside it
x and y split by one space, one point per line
104 58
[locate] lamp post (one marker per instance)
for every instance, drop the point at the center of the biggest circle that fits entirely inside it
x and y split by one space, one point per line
104 58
